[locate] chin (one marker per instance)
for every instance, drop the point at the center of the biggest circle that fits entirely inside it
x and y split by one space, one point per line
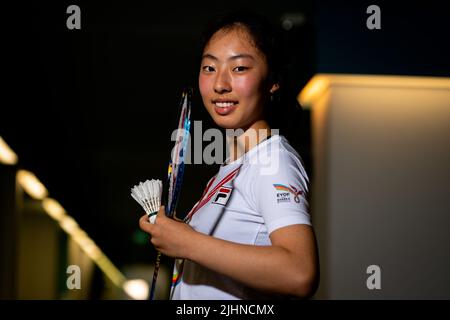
226 124
229 122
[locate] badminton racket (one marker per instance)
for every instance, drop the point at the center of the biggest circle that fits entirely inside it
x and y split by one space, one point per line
175 170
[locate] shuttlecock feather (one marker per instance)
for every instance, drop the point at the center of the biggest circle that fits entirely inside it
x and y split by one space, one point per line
148 195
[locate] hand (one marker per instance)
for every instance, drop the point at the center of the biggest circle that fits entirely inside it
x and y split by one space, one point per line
170 237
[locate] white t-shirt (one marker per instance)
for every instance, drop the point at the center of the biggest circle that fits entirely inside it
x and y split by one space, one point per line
249 198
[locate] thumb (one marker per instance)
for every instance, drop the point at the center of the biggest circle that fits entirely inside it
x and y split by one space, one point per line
161 213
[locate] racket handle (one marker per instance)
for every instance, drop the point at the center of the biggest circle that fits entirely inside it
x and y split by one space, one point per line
155 275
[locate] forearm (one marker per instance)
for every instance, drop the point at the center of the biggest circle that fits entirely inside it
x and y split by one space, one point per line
288 266
269 268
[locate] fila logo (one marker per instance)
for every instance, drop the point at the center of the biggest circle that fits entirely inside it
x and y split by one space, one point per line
222 196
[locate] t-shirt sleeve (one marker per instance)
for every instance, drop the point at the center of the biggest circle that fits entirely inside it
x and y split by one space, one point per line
280 194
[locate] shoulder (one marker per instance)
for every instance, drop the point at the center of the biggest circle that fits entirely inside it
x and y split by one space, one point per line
277 158
275 146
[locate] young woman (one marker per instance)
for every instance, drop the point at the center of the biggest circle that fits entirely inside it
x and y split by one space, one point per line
250 235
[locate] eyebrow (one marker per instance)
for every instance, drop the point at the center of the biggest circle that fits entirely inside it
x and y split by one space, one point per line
238 56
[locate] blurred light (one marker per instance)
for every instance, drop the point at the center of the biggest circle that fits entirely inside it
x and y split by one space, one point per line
313 89
79 235
87 245
69 225
321 82
287 24
7 155
91 249
54 209
110 271
82 238
136 289
291 20
93 252
31 184
140 237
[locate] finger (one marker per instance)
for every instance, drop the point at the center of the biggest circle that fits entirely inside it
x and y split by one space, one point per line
161 214
145 225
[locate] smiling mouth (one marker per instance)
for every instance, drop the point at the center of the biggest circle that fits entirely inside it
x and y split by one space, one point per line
224 107
224 104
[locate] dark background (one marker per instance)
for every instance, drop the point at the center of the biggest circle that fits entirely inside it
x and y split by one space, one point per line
91 111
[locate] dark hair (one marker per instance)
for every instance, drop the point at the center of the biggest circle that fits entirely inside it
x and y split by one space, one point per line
264 36
283 111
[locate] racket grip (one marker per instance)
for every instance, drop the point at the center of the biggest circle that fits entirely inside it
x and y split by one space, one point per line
155 275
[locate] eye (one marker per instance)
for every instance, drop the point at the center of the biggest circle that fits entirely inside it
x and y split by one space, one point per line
240 68
208 69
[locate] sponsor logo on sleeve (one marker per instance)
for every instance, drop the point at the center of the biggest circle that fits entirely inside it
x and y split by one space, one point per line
284 193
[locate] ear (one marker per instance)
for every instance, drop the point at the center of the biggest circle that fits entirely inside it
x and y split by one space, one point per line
274 88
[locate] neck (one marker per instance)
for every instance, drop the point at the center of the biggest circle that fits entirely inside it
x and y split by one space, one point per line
244 140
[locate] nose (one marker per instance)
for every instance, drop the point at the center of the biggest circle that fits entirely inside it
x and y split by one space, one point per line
222 83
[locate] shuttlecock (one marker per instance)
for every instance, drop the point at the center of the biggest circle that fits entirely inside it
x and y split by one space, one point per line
148 195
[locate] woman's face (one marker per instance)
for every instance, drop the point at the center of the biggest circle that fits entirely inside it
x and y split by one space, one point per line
233 79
